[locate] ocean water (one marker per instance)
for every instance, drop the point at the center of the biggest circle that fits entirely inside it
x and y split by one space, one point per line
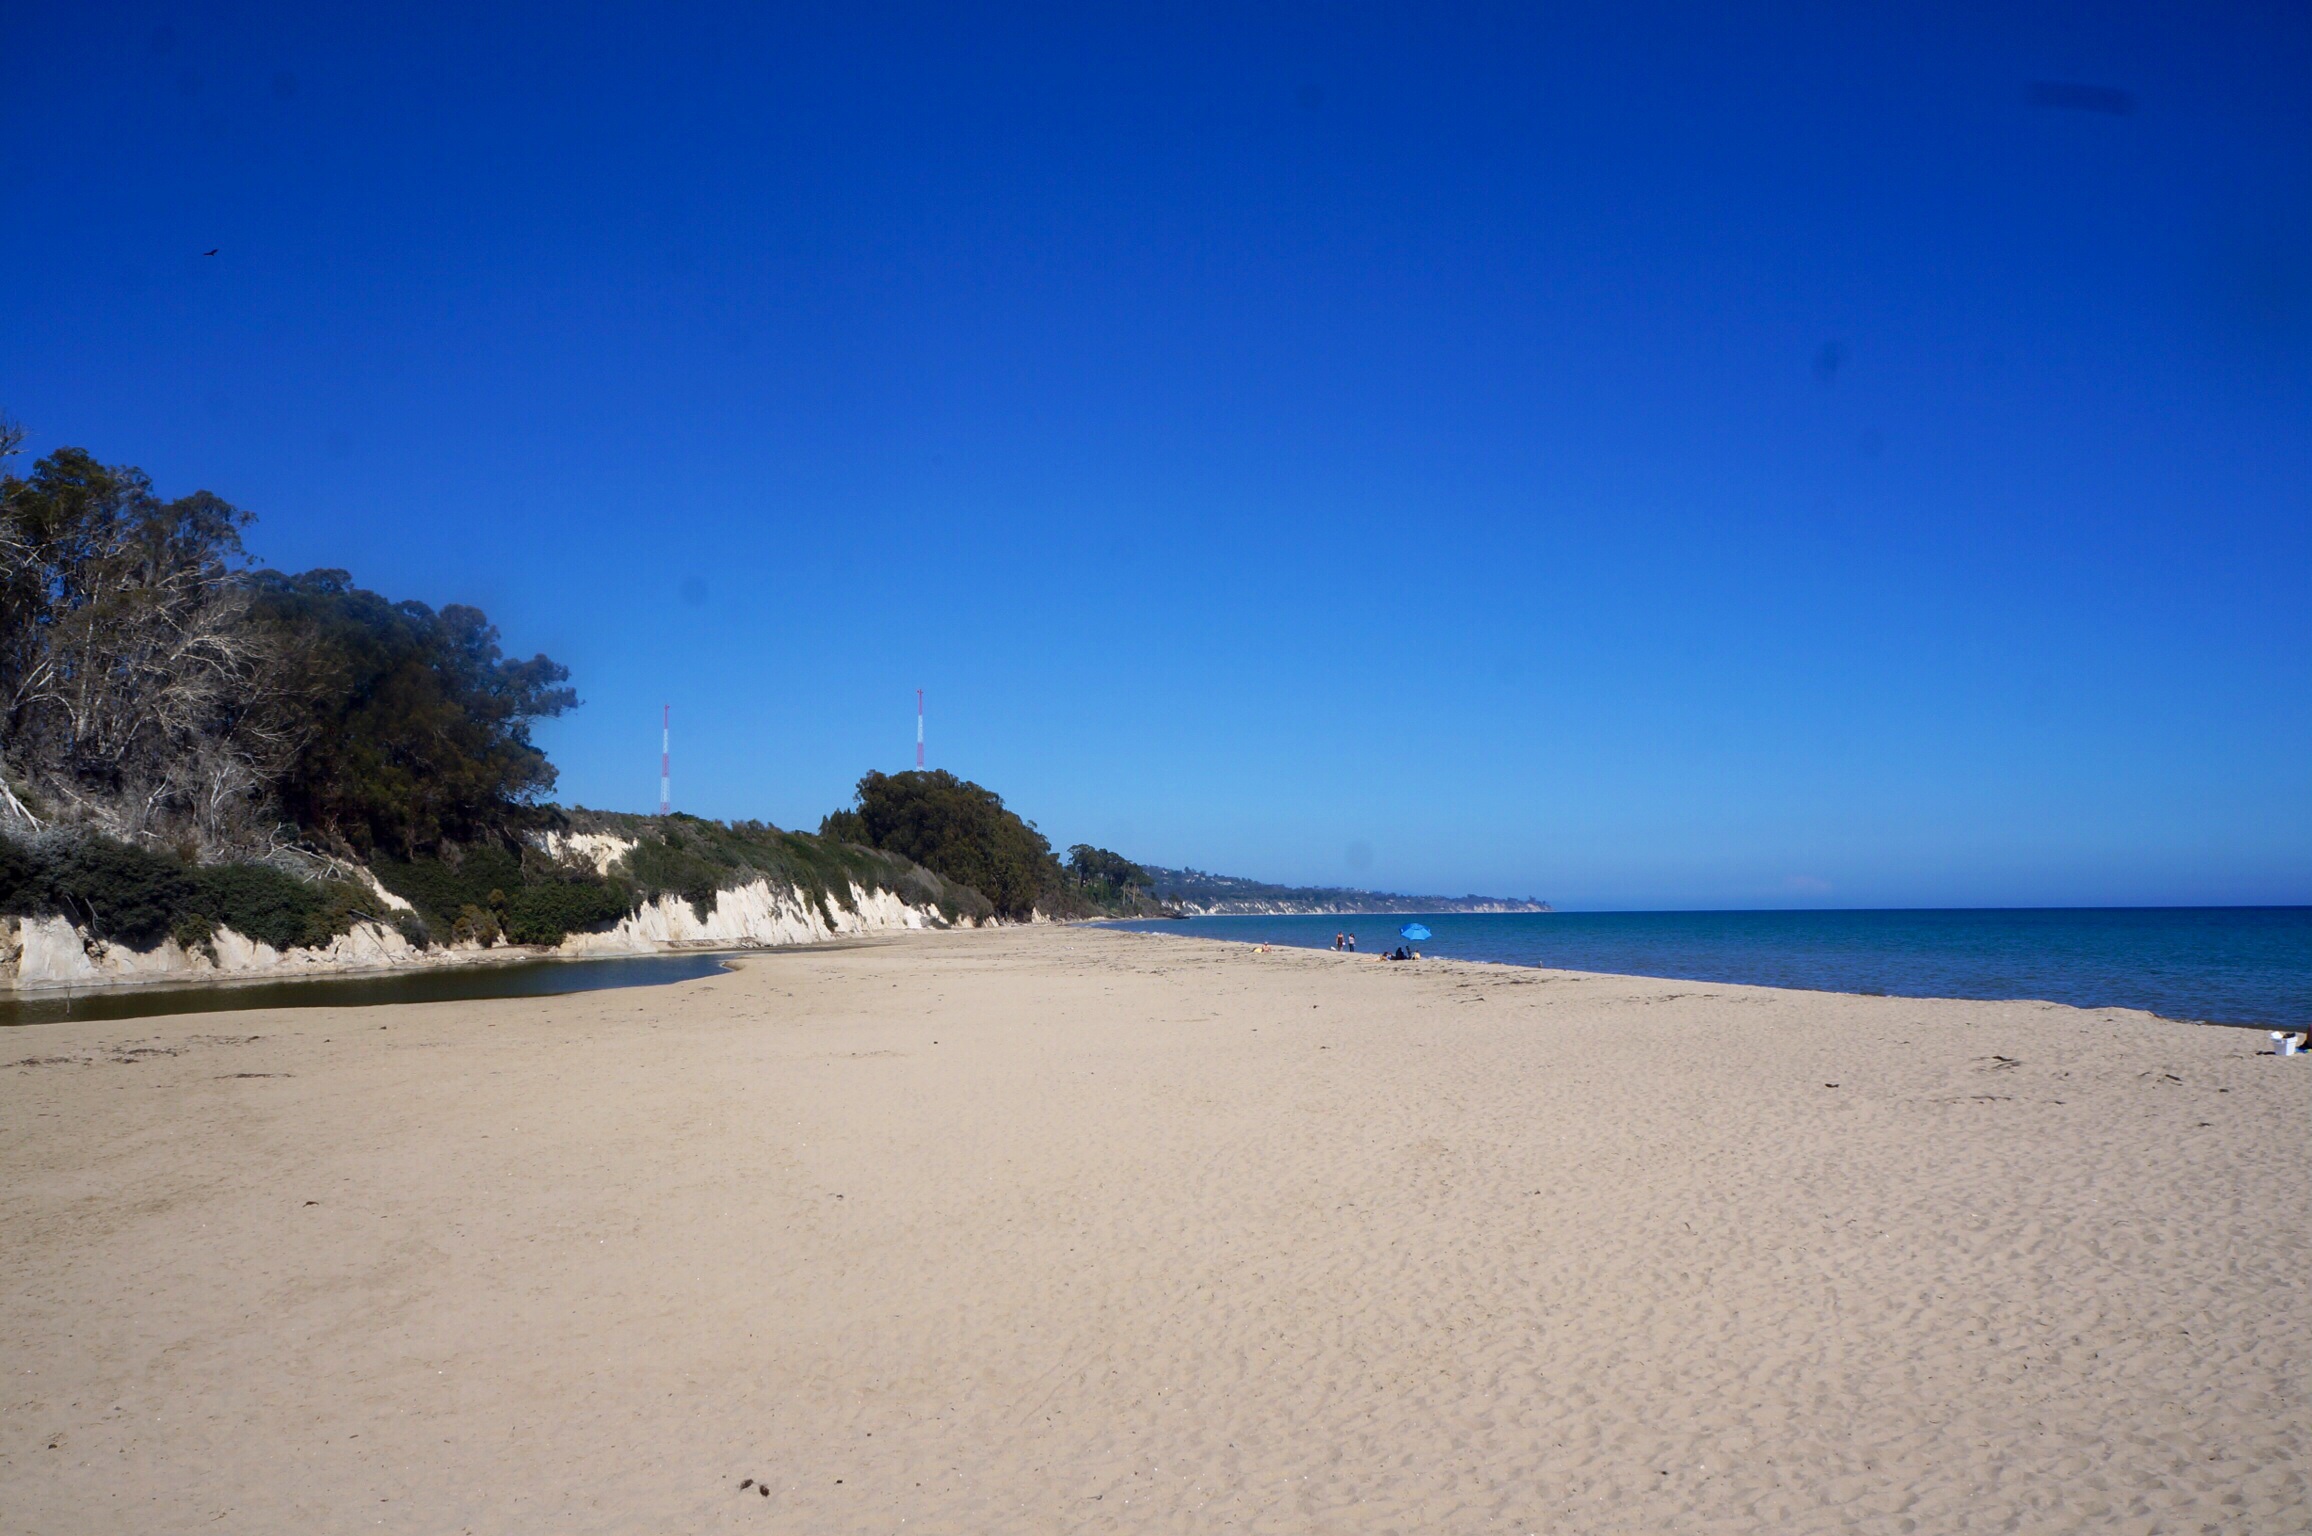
2218 965
521 978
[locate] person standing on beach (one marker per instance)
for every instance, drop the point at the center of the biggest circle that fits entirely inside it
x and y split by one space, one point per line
1337 940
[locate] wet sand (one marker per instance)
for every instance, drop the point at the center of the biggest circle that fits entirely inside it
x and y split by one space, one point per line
1069 1230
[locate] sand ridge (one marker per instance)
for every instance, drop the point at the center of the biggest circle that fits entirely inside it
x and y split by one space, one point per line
1074 1230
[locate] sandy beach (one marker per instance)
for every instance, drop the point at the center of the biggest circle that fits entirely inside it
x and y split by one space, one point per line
1071 1230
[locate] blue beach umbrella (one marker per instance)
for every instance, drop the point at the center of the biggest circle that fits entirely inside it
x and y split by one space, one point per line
1413 931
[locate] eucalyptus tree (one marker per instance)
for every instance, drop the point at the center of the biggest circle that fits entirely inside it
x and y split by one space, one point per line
134 694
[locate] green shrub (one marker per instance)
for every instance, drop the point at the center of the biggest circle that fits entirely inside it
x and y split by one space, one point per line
665 867
474 925
440 888
694 859
137 897
19 880
551 910
128 895
416 726
958 828
264 904
525 898
479 893
195 934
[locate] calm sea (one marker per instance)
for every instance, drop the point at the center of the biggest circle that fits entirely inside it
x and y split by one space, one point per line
2220 965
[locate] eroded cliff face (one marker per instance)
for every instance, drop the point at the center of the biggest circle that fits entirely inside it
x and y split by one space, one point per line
40 952
755 914
43 952
598 851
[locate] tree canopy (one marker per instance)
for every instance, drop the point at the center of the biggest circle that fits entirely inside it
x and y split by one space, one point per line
133 694
154 688
414 727
955 828
1097 867
165 708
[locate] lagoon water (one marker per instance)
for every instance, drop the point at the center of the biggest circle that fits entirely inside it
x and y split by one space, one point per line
521 978
2226 965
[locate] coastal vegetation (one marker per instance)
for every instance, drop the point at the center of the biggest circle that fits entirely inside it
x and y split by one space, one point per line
526 895
156 690
139 897
486 891
190 742
693 858
966 833
1109 880
193 743
955 827
412 728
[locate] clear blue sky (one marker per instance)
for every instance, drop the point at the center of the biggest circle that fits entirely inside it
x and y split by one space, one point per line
1631 456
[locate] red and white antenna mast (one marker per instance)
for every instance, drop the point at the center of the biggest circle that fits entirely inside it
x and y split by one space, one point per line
665 760
919 729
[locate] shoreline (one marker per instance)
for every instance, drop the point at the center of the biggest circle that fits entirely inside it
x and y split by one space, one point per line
1073 1229
1063 1228
440 961
1367 957
2223 967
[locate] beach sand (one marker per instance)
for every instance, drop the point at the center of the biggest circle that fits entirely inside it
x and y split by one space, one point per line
1071 1230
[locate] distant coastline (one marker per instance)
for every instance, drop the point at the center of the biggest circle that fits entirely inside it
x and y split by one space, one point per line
1195 893
1375 904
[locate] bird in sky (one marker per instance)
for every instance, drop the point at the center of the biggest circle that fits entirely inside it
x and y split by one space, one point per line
208 253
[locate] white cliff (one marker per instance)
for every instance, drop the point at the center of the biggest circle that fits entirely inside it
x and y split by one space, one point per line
43 952
753 915
598 851
38 952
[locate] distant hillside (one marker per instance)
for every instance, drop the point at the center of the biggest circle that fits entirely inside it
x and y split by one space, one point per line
1198 894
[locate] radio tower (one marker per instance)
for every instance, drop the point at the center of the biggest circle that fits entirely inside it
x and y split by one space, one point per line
665 759
919 730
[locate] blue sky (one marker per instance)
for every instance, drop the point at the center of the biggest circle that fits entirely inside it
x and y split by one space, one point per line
1637 457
